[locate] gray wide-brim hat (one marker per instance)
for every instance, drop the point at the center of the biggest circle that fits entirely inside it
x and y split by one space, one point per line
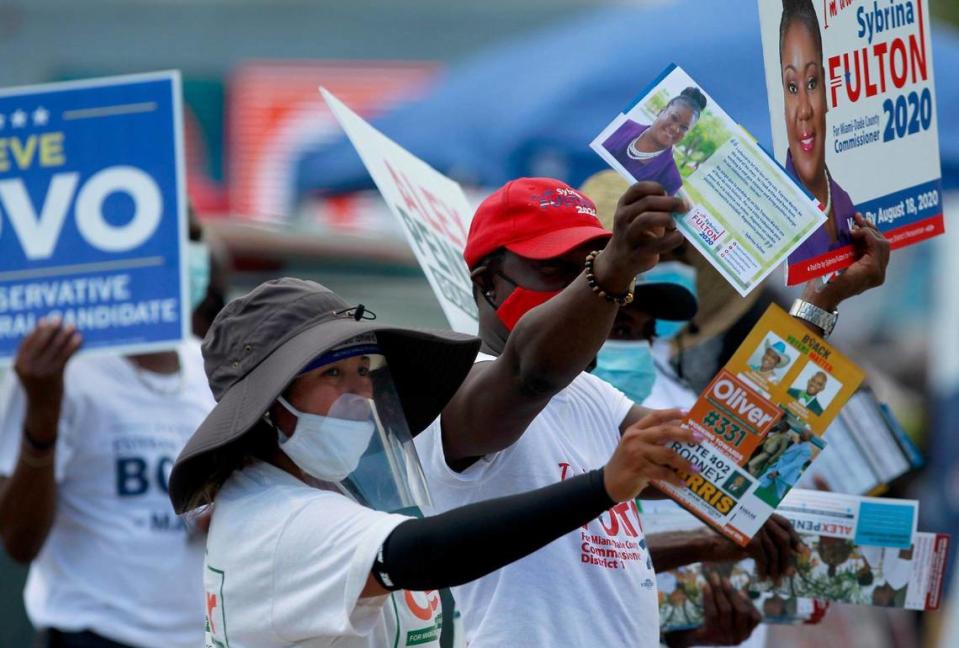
260 342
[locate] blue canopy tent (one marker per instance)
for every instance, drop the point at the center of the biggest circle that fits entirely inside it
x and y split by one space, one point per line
531 106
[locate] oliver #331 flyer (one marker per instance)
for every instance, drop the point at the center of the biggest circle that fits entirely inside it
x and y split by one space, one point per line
853 109
763 416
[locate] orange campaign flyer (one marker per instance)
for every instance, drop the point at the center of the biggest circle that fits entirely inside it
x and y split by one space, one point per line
763 417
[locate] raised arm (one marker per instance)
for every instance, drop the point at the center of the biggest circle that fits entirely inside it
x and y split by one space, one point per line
552 343
867 271
28 496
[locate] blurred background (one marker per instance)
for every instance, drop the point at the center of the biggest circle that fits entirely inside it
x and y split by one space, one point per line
485 92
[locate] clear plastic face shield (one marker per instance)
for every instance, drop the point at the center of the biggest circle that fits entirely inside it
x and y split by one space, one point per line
351 434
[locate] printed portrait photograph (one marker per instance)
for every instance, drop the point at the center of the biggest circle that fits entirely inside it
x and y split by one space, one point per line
814 389
771 360
666 136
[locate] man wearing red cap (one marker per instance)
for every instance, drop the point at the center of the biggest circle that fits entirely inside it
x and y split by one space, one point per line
548 281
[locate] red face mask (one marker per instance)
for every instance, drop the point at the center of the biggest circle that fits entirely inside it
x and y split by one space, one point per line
521 301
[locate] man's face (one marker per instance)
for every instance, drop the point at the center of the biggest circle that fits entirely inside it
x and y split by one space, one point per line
502 273
545 275
816 384
883 596
770 359
632 324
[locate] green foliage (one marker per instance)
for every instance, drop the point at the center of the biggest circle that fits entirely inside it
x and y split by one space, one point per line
947 10
657 103
703 140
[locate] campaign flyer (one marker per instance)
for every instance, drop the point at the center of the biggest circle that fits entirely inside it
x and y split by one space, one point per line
681 596
853 109
867 449
858 550
863 551
680 590
763 416
747 214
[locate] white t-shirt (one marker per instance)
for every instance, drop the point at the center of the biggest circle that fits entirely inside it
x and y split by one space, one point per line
594 586
286 563
118 560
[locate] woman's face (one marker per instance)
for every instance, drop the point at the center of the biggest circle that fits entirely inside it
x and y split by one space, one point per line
672 125
805 99
317 390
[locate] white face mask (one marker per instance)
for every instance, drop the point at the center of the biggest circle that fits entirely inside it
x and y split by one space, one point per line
329 448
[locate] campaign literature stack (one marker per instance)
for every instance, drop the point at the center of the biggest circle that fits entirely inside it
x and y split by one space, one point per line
93 212
763 416
853 109
857 550
862 550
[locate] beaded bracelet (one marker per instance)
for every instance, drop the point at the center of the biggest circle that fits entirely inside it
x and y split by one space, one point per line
622 299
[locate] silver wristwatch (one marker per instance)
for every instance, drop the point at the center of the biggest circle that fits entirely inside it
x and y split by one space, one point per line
814 315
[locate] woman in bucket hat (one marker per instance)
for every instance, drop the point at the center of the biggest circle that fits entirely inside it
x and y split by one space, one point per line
308 463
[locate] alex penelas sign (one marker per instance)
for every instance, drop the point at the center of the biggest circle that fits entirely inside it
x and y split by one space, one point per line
92 211
432 209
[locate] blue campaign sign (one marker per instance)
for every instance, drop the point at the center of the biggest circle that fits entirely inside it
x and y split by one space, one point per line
93 211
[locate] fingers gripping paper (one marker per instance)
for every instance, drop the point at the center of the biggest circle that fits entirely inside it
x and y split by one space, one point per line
762 416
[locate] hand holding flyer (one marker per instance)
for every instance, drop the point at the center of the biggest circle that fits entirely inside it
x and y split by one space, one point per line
762 416
852 104
858 550
746 213
862 550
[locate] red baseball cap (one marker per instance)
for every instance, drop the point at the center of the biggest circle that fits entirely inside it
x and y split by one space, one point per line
536 218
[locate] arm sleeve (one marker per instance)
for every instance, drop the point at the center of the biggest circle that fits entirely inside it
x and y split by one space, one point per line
469 542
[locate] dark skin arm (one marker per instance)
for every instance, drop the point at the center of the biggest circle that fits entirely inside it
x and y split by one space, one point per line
867 271
554 342
773 548
729 618
28 496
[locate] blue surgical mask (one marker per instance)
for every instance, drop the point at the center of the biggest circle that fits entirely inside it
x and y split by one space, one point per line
671 272
628 366
198 271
